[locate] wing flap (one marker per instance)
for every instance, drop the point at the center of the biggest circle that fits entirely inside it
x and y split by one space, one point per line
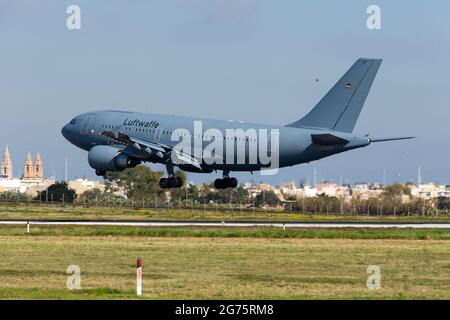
136 143
159 149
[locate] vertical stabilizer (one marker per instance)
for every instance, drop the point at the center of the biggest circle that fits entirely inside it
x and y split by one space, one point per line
339 109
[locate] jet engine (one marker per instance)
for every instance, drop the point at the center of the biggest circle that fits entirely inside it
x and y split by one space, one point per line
108 158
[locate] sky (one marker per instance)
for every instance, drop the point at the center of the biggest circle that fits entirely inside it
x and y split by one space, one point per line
250 60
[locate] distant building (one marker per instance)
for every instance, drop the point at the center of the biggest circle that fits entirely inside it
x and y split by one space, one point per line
12 185
33 171
257 189
308 192
6 170
365 191
82 185
328 189
430 190
32 179
289 189
30 187
38 167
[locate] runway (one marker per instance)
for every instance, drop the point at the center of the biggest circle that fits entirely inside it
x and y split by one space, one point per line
240 224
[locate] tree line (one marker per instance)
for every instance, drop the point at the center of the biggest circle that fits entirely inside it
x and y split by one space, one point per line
140 189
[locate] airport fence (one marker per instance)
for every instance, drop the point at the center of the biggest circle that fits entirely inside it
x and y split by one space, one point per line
313 207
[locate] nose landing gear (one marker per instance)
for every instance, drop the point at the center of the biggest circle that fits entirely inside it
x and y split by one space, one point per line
100 173
226 182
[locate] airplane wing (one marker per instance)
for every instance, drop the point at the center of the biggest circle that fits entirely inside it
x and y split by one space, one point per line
159 149
150 147
136 143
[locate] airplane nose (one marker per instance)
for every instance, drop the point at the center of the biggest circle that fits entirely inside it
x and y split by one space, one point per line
65 131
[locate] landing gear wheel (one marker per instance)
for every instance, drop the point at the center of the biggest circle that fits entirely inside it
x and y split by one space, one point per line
219 184
169 183
174 182
163 183
232 183
100 173
225 183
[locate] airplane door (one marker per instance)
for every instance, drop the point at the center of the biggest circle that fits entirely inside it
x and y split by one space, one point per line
87 125
157 136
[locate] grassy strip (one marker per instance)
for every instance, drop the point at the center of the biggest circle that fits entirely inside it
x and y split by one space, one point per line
64 294
229 232
222 268
12 212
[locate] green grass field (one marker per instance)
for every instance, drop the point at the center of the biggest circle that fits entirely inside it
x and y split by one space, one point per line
23 211
219 262
223 263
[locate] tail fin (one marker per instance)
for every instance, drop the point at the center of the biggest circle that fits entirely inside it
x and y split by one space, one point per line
340 107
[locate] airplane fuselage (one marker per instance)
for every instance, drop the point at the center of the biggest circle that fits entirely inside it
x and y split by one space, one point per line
295 145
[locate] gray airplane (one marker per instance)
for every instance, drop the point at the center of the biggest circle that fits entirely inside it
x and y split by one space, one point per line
117 140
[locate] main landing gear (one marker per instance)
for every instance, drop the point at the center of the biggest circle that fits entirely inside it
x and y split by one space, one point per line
226 182
172 181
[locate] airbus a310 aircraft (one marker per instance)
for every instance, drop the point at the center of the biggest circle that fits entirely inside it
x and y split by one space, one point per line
117 140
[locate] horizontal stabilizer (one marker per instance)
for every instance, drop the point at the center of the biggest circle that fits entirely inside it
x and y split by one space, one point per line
390 139
327 139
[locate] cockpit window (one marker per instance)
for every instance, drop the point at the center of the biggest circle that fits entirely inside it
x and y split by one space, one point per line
73 121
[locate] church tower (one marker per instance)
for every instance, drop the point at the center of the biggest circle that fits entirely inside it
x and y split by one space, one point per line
28 170
38 167
6 165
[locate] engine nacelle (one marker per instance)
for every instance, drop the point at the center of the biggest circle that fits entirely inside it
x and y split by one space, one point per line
108 158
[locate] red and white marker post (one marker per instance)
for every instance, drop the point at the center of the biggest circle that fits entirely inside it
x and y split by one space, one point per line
139 277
